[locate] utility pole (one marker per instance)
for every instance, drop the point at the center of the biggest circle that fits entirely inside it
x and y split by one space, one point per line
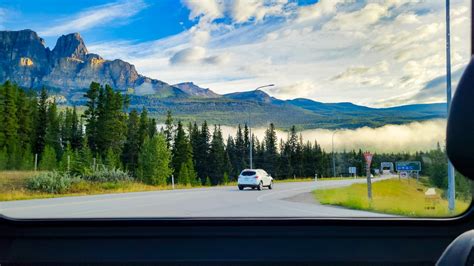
251 143
250 128
451 174
36 162
333 156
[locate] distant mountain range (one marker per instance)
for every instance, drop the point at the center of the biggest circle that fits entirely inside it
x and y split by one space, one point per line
69 68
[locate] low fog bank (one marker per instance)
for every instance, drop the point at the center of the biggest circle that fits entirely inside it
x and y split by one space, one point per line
412 137
416 136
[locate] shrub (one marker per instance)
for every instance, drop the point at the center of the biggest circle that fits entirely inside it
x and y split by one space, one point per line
225 179
51 182
48 159
208 182
108 175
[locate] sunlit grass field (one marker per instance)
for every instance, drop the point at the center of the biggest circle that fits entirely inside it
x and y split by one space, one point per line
401 197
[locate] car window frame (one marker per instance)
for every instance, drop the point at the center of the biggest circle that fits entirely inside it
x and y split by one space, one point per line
462 219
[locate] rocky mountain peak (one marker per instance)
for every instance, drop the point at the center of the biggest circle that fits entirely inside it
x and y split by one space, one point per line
70 46
194 90
69 67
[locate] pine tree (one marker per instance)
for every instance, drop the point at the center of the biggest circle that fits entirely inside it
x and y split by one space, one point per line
3 158
24 114
27 159
48 159
66 127
76 130
133 142
154 161
241 149
14 156
53 131
246 148
270 151
83 160
293 146
259 154
285 167
152 127
41 123
112 159
201 145
169 129
67 159
91 115
111 121
231 151
183 175
10 122
182 150
217 157
144 127
2 118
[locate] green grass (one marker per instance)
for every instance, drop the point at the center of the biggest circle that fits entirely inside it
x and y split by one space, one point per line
394 196
308 179
12 187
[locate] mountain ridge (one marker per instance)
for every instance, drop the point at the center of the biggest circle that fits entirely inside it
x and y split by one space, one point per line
69 69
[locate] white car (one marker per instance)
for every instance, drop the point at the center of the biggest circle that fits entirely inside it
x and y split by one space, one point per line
254 178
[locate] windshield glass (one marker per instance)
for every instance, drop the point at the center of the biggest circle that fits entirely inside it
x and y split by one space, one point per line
139 108
248 173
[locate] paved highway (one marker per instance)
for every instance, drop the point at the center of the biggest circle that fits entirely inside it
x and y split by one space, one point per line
285 200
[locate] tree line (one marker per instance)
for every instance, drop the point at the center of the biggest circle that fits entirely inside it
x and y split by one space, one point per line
108 134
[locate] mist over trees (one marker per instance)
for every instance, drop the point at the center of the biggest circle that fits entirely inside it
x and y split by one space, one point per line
108 134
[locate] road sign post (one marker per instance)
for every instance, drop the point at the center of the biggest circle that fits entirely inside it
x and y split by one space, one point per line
368 160
172 181
407 169
353 171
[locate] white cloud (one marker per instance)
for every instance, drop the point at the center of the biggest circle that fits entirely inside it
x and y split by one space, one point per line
240 11
318 9
358 20
246 10
188 55
374 53
95 16
207 9
407 18
300 89
197 55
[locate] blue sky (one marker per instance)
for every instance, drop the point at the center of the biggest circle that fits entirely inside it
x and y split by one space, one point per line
377 53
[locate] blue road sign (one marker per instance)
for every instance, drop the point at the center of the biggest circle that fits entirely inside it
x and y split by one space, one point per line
408 166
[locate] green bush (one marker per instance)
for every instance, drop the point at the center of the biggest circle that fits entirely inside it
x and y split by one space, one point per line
108 175
51 182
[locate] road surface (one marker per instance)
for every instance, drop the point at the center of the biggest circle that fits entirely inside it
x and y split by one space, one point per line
285 200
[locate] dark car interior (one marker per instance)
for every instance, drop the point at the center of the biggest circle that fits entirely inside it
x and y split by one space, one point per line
270 241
